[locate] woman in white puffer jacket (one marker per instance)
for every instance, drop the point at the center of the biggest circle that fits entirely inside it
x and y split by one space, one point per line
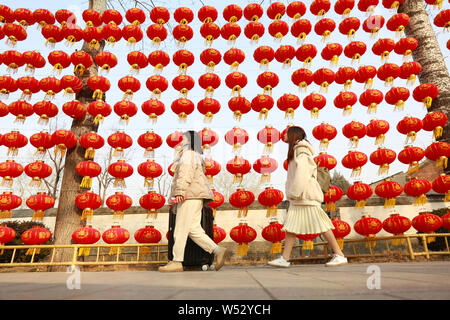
305 214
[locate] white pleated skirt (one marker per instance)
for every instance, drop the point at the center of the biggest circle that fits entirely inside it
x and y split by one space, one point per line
306 220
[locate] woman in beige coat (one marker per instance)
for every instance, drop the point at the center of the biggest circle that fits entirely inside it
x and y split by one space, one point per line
305 214
189 191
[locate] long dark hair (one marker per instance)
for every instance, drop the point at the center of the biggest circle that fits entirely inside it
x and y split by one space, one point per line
294 134
194 141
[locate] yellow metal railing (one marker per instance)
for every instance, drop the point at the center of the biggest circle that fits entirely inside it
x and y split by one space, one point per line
409 252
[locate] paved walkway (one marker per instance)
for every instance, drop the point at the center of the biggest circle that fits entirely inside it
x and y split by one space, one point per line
415 280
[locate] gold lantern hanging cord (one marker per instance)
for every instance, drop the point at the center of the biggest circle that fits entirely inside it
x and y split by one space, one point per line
264 112
149 181
38 215
118 215
384 168
356 172
87 214
86 182
152 212
271 211
289 114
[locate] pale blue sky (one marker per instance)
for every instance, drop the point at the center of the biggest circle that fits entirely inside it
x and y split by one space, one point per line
224 121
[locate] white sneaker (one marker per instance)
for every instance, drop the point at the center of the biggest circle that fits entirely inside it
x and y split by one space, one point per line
337 260
280 262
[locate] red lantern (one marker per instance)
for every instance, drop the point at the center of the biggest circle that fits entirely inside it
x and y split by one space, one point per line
411 155
74 109
397 96
263 55
210 31
28 85
41 141
438 151
319 7
267 80
300 29
345 76
207 14
135 16
93 35
183 15
288 103
183 59
111 33
182 107
14 140
446 220
345 100
99 110
153 108
209 82
306 53
85 235
230 31
149 170
157 84
8 202
377 129
4 111
149 234
132 33
427 223
442 19
217 202
397 23
409 70
14 60
354 50
14 32
32 60
265 166
239 106
254 30
88 202
99 85
382 47
72 34
91 141
302 78
273 233
116 235
278 29
238 167
296 10
82 61
8 171
370 98
383 157
88 170
434 121
406 46
51 86
388 72
397 225
253 12
284 54
418 188
22 109
367 6
107 60
409 126
125 109
341 230
39 203
159 15
308 243
333 195
59 60
392 4
271 198
149 141
236 137
276 10
268 136
6 235
313 103
325 160
325 133
35 236
232 13
119 141
323 77
425 93
366 74
368 227
234 57
324 27
359 192
183 83
129 85
236 81
243 235
389 190
219 234
52 34
157 33
209 138
37 171
174 139
212 168
6 14
111 16
442 185
349 26
354 131
120 170
354 160
119 202
210 58
152 202
208 107
262 103
63 140
92 17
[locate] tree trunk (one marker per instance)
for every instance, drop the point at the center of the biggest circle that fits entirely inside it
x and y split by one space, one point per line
68 215
429 55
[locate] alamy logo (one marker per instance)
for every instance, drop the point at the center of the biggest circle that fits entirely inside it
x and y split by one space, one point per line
74 280
374 280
